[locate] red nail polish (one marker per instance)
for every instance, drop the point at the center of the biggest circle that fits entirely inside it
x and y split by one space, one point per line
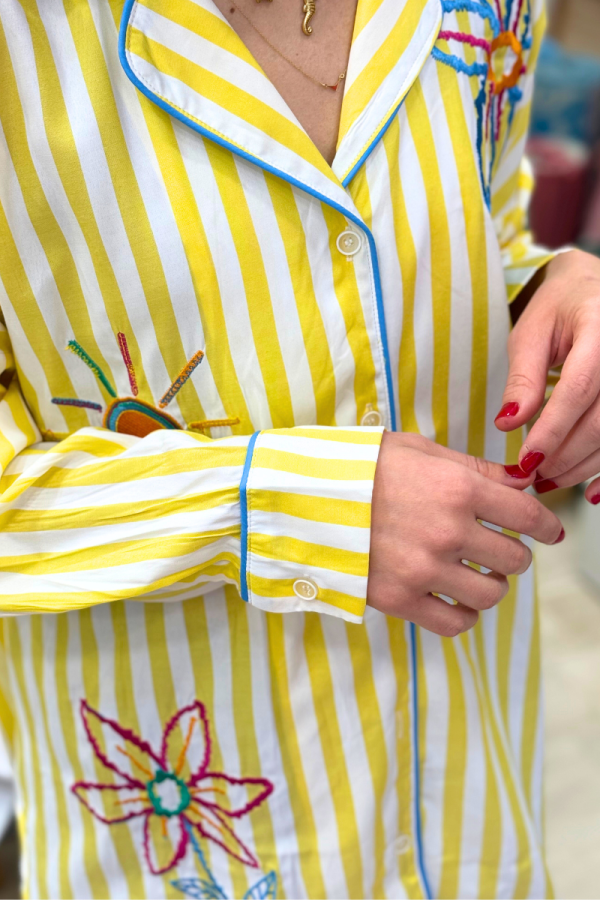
595 500
532 461
515 472
561 536
508 411
544 485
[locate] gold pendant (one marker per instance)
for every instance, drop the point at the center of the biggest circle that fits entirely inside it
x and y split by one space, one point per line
309 10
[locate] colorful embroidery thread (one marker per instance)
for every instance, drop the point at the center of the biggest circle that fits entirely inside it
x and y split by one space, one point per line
128 415
498 92
203 888
172 789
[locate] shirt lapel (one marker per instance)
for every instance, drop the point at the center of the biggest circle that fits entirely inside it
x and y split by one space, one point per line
188 60
391 42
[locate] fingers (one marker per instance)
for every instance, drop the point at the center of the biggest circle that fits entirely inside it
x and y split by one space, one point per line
580 445
497 551
573 395
526 382
472 588
517 512
585 469
434 614
592 493
510 476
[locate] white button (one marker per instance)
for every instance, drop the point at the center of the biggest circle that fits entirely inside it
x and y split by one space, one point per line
305 589
402 844
349 243
371 416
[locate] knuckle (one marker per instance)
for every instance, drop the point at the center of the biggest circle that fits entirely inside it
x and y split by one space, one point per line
457 623
462 487
420 572
581 388
533 512
518 559
492 593
447 538
520 382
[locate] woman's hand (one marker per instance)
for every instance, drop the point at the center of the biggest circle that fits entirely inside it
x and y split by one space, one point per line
426 503
561 324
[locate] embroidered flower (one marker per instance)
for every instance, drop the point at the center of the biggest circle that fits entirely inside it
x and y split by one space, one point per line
173 789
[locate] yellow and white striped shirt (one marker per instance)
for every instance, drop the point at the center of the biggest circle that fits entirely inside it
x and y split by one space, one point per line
206 328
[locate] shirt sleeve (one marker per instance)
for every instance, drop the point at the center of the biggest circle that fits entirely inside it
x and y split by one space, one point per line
100 516
512 179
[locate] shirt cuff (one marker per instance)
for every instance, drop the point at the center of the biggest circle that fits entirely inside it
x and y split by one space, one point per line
305 502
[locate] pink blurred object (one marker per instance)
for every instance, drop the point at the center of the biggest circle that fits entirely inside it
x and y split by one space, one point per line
591 227
562 171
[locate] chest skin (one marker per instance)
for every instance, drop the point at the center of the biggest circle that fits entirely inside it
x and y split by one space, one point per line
323 54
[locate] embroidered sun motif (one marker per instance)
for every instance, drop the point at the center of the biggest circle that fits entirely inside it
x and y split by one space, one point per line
496 61
131 415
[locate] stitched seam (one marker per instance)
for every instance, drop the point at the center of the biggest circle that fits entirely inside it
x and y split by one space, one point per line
397 102
389 392
184 112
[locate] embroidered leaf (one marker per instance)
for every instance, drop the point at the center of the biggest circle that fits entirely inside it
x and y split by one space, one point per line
265 889
199 889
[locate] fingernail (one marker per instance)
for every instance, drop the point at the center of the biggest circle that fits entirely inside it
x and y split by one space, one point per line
516 472
532 461
544 485
561 536
508 411
595 500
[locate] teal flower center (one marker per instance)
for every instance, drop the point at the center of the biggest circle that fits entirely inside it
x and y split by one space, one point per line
168 794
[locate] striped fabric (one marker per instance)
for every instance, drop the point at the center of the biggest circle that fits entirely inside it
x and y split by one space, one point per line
195 380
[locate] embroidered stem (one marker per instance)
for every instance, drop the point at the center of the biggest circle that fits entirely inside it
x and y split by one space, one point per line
78 350
181 379
85 404
128 363
200 855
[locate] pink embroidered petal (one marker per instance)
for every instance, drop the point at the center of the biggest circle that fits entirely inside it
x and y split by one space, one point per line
118 748
186 743
213 827
112 803
234 797
165 842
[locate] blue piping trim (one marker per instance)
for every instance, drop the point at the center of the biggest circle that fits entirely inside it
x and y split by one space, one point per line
244 518
283 175
371 146
415 737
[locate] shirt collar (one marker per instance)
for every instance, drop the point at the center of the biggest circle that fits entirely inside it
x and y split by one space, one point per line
188 60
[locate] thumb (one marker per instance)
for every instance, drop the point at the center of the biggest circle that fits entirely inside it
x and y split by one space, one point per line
529 358
509 476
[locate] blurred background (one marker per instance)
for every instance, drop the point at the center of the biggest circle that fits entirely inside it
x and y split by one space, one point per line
564 148
565 151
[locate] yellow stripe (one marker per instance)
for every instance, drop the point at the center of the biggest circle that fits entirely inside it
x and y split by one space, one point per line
441 266
256 286
64 841
36 787
306 833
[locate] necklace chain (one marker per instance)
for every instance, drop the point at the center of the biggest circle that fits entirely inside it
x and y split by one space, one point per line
331 87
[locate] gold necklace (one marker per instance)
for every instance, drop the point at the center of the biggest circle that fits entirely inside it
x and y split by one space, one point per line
308 9
331 87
